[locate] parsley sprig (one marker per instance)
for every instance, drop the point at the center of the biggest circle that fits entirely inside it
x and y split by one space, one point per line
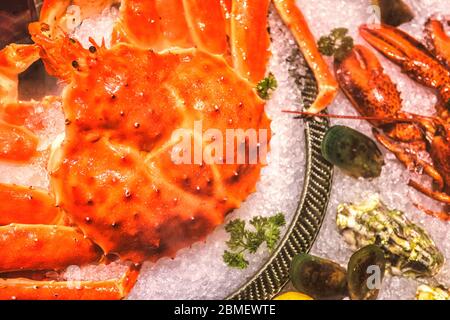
242 241
337 44
266 86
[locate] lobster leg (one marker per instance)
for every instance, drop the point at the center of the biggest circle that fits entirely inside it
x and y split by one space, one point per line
26 206
327 85
438 40
249 38
439 196
408 154
24 289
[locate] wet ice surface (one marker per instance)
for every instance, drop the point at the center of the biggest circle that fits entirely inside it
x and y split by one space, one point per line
392 185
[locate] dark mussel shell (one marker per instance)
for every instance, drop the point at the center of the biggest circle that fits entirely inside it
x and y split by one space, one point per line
319 278
353 152
394 12
365 273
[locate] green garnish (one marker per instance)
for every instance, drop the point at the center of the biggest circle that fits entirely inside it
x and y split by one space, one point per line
266 86
337 44
266 230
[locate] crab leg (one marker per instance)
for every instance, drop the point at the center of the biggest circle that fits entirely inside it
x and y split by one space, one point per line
44 247
327 85
14 59
207 25
438 40
249 38
140 24
173 23
23 289
26 205
17 144
226 11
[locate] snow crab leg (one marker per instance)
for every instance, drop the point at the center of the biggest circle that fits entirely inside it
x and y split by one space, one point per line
24 289
17 143
296 22
27 206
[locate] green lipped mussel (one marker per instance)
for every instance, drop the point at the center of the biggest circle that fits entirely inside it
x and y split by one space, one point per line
353 152
319 278
408 248
365 272
394 12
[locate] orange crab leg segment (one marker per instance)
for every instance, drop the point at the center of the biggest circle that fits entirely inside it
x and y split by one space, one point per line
14 59
438 40
17 144
226 10
26 205
140 23
207 25
296 22
173 23
250 39
24 289
44 247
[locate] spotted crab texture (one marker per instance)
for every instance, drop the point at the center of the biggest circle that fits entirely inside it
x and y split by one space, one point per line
114 173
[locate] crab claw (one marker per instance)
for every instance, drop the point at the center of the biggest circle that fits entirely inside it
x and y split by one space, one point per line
438 40
364 82
411 55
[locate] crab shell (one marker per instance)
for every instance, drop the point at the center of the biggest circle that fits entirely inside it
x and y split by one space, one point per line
114 174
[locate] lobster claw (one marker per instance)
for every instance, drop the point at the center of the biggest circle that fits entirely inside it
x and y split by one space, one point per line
371 91
411 55
438 40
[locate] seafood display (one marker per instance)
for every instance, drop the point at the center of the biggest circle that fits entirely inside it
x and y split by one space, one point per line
116 192
165 121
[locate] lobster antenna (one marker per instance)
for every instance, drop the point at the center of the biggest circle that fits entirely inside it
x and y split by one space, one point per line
305 114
